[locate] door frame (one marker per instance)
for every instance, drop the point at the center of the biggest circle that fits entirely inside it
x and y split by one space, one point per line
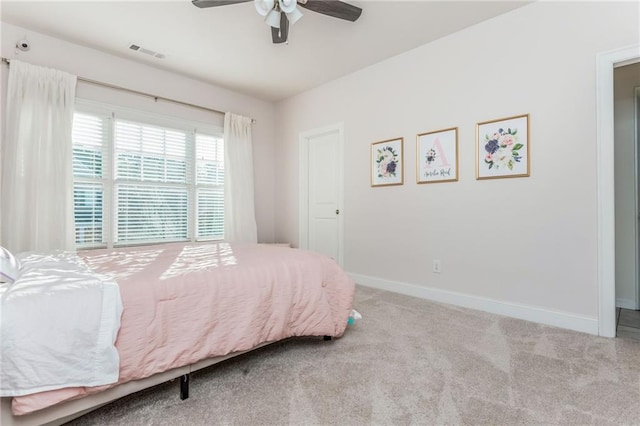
303 191
605 166
636 140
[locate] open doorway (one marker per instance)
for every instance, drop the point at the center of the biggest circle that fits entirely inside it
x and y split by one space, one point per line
626 82
606 63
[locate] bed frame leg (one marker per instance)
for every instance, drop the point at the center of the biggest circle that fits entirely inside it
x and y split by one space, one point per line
184 387
325 338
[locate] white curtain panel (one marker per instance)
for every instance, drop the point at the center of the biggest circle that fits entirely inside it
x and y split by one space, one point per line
239 209
37 158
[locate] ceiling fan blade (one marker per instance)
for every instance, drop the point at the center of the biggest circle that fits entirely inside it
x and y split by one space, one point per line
280 35
335 8
212 3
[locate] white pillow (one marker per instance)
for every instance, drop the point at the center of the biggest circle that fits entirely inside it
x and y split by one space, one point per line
9 266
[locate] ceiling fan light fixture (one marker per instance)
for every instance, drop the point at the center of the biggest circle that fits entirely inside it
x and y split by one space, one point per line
287 6
281 14
273 18
294 16
264 6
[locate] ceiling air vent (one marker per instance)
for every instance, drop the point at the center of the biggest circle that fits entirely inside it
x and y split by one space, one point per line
146 51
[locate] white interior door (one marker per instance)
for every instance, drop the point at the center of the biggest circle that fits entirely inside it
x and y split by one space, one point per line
321 191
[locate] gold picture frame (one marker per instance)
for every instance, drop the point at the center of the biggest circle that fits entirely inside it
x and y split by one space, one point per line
437 156
387 162
503 148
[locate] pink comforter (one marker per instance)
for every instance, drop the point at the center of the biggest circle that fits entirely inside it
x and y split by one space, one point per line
187 302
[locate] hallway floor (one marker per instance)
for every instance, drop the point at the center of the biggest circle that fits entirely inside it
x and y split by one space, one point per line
628 324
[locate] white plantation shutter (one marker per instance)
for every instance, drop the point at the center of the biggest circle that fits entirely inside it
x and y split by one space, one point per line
147 157
88 205
149 153
90 163
210 213
151 213
167 184
210 187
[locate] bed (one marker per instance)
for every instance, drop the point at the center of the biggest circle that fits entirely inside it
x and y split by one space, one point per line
185 306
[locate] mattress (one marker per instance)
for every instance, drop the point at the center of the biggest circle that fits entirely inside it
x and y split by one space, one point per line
186 302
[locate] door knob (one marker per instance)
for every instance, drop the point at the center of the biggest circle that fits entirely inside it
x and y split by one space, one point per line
337 211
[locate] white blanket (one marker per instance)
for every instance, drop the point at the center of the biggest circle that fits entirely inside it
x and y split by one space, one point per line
58 325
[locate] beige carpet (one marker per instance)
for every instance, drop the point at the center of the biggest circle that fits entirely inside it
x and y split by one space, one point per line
408 361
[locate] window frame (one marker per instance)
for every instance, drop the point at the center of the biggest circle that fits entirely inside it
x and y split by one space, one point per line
111 113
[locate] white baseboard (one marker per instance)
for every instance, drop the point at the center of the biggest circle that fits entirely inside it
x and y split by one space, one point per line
626 304
530 313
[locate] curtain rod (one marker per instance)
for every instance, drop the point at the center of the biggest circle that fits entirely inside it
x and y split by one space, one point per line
136 92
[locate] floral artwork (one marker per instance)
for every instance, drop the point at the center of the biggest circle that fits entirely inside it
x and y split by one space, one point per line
503 148
386 162
430 158
437 156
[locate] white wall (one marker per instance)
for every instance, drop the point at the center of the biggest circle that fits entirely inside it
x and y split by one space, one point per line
523 244
626 79
92 64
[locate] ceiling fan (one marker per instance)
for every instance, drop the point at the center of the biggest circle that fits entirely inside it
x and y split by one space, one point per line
279 14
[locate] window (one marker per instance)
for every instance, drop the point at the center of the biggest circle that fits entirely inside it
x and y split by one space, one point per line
210 186
145 179
89 135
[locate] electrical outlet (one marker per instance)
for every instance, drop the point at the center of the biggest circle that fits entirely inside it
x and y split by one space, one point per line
437 266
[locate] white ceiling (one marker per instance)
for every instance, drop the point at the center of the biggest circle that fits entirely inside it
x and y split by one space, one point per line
231 46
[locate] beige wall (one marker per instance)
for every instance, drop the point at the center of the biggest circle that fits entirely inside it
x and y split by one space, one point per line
525 242
92 64
626 79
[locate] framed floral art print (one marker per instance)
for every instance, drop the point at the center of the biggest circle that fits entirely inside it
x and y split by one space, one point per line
437 156
387 162
502 148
